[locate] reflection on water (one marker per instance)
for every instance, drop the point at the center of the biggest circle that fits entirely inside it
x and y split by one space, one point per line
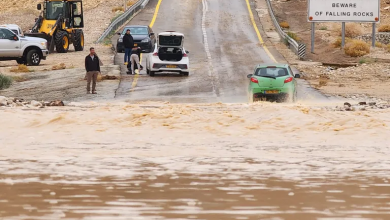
203 190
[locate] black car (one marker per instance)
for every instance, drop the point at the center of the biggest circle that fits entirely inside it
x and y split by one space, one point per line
143 37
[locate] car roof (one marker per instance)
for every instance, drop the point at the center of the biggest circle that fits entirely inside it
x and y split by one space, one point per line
13 26
170 33
130 26
272 64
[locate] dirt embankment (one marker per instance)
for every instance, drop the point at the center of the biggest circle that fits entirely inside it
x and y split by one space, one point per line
97 15
367 76
60 74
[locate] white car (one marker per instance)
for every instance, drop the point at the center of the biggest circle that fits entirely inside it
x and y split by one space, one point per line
14 28
168 55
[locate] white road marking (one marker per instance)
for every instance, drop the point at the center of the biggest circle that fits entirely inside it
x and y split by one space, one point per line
207 49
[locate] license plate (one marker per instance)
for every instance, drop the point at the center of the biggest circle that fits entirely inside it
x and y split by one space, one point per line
171 66
135 45
271 92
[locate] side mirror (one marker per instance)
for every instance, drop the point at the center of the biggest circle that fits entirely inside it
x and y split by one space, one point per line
187 51
297 76
39 7
118 33
152 34
249 76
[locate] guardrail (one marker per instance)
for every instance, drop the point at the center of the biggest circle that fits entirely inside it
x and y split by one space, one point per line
298 48
123 18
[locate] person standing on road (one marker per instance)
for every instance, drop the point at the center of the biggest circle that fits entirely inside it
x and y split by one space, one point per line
135 57
128 43
92 66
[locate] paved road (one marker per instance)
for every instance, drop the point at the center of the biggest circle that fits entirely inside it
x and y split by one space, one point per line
223 46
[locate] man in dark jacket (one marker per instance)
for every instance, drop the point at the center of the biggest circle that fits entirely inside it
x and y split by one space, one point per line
92 66
128 43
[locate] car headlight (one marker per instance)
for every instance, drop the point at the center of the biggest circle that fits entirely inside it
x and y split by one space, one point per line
43 44
120 40
145 40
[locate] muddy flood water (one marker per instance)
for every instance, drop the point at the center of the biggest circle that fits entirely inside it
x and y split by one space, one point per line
214 162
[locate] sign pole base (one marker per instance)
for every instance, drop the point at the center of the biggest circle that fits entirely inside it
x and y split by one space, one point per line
342 35
373 34
312 36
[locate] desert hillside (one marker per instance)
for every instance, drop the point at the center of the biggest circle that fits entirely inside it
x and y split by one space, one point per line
23 12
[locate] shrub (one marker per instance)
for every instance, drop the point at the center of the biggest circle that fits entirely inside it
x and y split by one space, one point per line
131 2
19 78
293 36
379 44
384 28
351 30
356 48
5 81
20 69
323 82
284 24
118 9
323 28
337 43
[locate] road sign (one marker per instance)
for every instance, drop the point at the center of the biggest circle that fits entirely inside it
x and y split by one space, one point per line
343 10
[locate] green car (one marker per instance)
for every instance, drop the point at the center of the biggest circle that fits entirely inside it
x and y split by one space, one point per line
273 81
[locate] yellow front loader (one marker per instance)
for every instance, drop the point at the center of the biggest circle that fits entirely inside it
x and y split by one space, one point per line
60 23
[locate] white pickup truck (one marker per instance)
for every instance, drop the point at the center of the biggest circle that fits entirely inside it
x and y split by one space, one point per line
25 50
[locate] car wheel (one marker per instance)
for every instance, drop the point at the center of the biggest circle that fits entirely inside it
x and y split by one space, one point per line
147 71
185 74
21 61
33 58
151 73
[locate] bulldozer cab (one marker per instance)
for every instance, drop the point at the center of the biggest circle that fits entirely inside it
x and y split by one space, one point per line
70 10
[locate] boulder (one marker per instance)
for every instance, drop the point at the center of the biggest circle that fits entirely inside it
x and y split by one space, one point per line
35 103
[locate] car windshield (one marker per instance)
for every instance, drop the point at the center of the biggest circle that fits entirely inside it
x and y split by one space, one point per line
136 30
53 10
271 72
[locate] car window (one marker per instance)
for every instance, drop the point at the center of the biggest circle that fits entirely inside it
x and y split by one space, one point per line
170 40
271 72
15 31
137 31
6 34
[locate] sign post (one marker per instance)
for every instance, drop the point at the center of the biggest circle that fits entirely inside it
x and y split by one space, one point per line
342 35
373 35
344 11
313 28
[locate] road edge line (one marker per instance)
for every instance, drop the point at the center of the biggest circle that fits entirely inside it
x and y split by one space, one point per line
258 32
156 10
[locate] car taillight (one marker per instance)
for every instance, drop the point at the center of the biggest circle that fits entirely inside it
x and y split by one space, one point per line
185 55
289 79
155 54
254 80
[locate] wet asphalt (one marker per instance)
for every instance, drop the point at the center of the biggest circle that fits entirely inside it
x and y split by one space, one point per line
220 57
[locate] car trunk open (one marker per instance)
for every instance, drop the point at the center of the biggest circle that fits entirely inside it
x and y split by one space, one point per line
170 54
170 40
